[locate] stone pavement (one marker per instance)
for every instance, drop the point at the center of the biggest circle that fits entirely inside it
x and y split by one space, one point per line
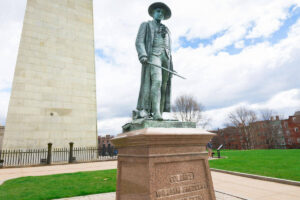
254 189
112 196
230 185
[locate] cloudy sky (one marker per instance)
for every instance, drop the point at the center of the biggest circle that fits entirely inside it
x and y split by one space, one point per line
233 53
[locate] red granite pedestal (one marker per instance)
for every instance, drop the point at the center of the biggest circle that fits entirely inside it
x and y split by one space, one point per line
164 164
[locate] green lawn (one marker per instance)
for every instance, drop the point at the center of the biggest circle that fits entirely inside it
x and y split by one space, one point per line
59 186
274 163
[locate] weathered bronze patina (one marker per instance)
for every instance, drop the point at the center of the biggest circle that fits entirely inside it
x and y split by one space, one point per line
153 45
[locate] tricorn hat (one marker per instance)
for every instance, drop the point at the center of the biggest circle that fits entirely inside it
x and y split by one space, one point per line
167 10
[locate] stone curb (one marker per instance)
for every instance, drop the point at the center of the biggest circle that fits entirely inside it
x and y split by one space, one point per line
264 178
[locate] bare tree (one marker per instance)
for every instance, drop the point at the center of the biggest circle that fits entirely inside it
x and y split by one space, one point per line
186 108
271 127
266 114
242 118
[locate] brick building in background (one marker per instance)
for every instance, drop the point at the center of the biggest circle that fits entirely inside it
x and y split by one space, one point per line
105 144
291 129
275 133
229 137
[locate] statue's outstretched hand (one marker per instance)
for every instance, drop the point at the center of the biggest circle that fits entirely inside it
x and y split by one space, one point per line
143 60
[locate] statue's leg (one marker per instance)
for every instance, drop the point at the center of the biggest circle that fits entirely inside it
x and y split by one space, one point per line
146 91
165 78
143 104
156 81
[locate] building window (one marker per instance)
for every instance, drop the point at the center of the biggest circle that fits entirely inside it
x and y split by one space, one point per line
288 133
298 140
286 125
296 129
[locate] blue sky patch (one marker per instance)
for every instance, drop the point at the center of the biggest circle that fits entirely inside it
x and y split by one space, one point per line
100 53
232 50
195 42
282 33
276 37
8 90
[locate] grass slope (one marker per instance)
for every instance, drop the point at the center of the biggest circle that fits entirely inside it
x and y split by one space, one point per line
59 186
276 163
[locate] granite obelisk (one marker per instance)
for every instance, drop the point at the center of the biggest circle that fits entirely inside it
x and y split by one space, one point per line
53 97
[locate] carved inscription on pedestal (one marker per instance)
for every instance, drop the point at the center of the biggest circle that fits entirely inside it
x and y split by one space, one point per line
181 177
177 178
188 185
181 190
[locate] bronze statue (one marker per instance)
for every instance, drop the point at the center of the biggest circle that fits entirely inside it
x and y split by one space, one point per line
153 45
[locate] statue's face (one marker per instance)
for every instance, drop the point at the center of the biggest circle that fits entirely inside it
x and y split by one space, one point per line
158 14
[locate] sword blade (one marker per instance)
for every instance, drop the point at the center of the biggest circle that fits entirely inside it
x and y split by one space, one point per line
172 72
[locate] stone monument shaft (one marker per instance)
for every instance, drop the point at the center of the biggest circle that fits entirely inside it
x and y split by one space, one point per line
53 96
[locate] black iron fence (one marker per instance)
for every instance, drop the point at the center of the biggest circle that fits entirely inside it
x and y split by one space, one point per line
11 158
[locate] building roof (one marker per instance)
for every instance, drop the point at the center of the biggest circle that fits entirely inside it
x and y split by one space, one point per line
297 113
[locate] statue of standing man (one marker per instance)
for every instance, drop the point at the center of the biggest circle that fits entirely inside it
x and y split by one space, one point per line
153 45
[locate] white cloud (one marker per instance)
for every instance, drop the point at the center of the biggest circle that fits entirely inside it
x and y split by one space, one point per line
283 103
239 44
112 126
11 16
4 99
269 18
258 70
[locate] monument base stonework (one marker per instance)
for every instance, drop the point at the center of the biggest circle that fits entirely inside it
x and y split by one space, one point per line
150 123
164 164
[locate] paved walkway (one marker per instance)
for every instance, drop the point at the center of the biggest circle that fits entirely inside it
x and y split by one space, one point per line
246 188
112 196
254 189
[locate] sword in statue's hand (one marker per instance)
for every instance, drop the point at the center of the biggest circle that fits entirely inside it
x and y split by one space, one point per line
172 72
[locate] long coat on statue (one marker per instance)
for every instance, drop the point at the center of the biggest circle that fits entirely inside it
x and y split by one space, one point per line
144 43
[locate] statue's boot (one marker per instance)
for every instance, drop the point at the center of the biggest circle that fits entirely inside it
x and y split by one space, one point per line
157 116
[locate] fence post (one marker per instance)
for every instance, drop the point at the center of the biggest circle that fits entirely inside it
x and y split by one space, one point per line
219 155
71 152
1 160
103 150
109 150
49 155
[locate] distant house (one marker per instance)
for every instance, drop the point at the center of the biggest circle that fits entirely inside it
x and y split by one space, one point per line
105 144
291 130
229 137
275 133
105 140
